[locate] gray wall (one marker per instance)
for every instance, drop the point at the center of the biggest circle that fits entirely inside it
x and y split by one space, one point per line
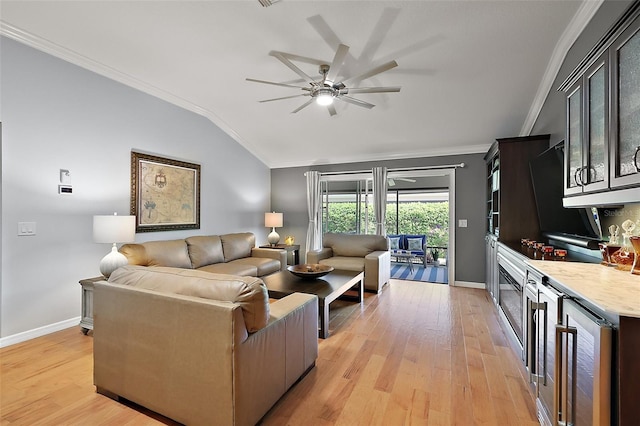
59 116
552 117
289 195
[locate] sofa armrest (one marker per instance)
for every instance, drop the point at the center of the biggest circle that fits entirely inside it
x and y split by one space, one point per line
280 255
317 256
299 312
272 359
377 270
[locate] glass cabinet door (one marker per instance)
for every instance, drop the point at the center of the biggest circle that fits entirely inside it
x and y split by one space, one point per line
595 174
625 132
587 154
573 151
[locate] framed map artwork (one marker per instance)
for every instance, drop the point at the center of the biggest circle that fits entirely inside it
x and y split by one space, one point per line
165 193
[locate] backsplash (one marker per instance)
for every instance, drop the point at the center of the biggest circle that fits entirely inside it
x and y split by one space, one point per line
609 216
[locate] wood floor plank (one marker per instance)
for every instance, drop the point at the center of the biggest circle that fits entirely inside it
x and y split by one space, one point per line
414 354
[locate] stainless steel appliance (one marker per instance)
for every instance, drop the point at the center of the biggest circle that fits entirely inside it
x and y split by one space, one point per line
530 324
583 367
549 314
511 280
571 374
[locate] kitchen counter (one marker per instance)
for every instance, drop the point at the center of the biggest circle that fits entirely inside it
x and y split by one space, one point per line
609 289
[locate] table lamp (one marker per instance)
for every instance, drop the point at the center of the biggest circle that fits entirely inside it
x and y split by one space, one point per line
273 221
113 229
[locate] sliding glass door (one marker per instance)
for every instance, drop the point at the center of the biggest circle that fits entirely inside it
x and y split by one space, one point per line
347 207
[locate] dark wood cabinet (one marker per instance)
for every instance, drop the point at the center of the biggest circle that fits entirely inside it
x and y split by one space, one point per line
587 142
511 206
625 107
603 119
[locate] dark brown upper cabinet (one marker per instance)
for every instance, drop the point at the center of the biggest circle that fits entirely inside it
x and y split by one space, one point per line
602 164
625 107
587 152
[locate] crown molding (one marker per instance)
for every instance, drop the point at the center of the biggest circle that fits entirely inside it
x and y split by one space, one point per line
472 149
53 49
585 12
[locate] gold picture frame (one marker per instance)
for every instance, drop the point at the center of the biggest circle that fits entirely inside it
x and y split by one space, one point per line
165 193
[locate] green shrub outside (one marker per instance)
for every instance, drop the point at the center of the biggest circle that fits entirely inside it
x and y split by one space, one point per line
430 219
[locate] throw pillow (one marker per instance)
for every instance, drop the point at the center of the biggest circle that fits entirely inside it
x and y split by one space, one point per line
394 243
414 244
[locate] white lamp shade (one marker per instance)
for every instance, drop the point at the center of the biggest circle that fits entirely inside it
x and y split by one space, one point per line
114 229
273 220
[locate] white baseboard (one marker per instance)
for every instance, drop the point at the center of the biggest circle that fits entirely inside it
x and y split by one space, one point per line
38 332
469 284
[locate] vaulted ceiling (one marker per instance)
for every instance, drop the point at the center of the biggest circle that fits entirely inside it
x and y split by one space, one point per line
469 71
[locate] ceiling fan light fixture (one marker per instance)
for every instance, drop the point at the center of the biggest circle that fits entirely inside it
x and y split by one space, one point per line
324 97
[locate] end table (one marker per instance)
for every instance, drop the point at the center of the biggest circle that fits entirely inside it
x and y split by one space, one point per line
294 249
86 318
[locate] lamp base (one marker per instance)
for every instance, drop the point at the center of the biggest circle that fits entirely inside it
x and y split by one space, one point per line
112 261
273 237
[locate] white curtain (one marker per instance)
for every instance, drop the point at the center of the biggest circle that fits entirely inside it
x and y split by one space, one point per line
314 231
380 198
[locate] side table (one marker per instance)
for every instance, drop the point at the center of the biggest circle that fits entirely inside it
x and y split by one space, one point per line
86 318
294 249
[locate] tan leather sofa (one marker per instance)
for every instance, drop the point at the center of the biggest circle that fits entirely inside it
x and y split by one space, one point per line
351 252
200 348
233 254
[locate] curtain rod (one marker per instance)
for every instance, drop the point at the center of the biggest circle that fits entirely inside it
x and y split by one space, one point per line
407 169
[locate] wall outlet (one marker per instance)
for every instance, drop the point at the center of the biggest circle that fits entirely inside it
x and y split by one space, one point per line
462 223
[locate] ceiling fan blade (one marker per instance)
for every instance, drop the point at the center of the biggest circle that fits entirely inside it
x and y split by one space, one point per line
332 110
277 84
286 97
355 101
374 71
302 106
371 90
336 64
291 65
299 58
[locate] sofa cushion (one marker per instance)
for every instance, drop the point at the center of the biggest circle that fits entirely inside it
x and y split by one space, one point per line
231 268
345 263
204 250
172 253
353 244
264 265
248 292
236 246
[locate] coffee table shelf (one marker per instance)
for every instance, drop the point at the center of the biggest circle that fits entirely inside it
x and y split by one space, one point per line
328 288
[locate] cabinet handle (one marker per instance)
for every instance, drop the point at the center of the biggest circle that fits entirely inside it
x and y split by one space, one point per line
578 176
545 332
562 378
635 159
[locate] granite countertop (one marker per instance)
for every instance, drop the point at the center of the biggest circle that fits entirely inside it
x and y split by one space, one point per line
612 290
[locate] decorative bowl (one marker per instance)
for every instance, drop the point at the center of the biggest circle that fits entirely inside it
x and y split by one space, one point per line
310 270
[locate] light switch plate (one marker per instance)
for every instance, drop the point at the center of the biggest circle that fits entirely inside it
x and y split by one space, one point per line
26 229
462 223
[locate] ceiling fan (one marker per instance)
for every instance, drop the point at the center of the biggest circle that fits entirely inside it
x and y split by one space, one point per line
392 181
327 88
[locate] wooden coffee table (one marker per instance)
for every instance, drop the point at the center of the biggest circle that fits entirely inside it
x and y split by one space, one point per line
327 288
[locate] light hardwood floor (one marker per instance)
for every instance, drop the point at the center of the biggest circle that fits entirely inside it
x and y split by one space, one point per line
416 354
